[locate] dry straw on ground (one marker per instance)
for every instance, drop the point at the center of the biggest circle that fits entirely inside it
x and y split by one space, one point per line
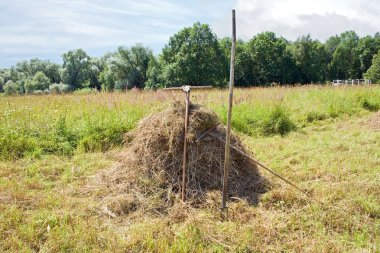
374 122
149 172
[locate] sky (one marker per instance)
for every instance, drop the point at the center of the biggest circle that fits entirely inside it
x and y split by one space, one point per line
48 28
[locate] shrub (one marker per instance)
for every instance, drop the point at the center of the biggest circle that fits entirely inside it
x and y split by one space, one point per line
61 140
15 145
39 82
11 87
259 119
85 91
278 122
59 88
370 105
38 92
120 85
107 80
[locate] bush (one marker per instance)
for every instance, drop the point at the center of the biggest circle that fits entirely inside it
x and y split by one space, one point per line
38 92
85 91
14 145
370 105
11 87
259 119
61 140
278 122
107 80
120 85
58 88
39 82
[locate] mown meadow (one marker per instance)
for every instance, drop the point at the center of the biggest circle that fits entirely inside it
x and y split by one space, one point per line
317 136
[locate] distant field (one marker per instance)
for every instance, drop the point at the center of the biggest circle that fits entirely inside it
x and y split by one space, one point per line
322 138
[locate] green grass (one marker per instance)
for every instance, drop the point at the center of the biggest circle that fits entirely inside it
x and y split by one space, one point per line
62 125
65 124
315 136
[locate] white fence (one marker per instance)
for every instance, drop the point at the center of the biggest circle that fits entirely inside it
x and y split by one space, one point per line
351 82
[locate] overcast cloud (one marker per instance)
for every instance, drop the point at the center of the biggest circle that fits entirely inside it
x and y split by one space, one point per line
293 18
48 28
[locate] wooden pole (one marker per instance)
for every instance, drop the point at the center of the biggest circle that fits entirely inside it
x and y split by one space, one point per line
184 158
229 116
258 163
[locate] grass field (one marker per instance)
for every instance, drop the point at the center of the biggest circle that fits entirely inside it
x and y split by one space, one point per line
318 137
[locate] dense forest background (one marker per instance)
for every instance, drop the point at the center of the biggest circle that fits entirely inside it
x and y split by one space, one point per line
196 56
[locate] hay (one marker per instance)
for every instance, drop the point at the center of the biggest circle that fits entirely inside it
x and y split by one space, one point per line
149 173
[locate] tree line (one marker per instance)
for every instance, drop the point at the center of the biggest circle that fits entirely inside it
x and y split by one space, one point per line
196 56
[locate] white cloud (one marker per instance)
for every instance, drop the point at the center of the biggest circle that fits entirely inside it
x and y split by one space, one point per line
32 28
48 28
293 18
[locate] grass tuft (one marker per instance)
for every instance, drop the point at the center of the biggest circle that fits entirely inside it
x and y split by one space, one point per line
278 122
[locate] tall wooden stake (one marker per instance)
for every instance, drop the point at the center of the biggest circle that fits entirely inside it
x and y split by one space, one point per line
228 134
184 158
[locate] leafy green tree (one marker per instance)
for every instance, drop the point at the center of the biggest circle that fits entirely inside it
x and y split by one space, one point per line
31 67
20 86
243 62
345 63
154 75
107 79
129 66
39 82
193 56
331 45
5 75
14 75
373 72
267 59
376 38
11 87
367 48
311 60
240 60
76 68
97 67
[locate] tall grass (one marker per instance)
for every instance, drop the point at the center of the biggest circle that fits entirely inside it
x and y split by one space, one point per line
271 111
65 124
34 125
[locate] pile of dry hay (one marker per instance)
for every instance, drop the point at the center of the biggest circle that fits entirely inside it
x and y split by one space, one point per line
149 173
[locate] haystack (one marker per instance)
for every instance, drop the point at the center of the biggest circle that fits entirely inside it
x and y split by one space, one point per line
149 173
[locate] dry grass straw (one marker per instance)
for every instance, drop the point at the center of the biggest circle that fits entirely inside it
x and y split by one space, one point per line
149 172
374 122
